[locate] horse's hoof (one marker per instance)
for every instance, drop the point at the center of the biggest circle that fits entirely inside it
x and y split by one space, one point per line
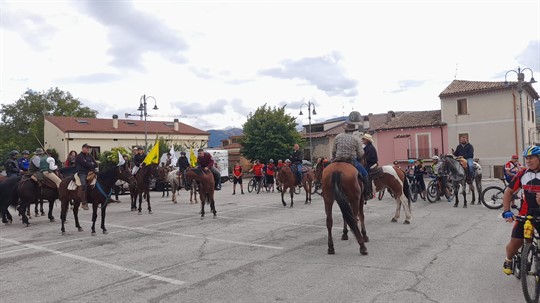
93 233
331 251
139 213
80 229
215 216
455 205
43 213
394 220
36 215
363 252
150 212
105 232
27 224
464 205
366 239
344 237
407 222
52 220
284 204
291 206
63 233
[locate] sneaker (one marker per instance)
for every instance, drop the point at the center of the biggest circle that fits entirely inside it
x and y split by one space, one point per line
507 267
84 205
234 193
242 192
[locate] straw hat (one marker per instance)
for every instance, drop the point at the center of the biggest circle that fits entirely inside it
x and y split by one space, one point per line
368 137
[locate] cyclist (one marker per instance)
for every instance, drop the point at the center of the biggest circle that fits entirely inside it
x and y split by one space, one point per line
511 168
528 180
440 173
258 170
419 171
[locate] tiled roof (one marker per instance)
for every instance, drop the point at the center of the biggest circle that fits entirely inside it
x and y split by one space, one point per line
463 87
97 125
414 119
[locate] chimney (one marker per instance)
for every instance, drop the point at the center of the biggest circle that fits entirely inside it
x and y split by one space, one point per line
115 121
176 125
389 115
366 122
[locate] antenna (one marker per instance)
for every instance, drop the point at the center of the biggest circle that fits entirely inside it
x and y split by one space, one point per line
455 75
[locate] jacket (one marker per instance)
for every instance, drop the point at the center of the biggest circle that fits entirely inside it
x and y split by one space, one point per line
12 167
370 155
85 163
347 148
182 163
466 151
296 157
205 161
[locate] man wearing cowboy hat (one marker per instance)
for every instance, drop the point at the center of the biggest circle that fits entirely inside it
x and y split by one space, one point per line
371 159
348 148
84 163
35 161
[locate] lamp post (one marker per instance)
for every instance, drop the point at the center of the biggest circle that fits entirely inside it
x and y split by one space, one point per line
521 80
144 113
309 104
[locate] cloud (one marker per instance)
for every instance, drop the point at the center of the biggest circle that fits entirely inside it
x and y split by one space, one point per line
92 78
133 33
203 73
530 56
32 28
406 85
220 106
324 72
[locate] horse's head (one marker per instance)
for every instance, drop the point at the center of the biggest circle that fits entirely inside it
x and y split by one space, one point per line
124 174
453 167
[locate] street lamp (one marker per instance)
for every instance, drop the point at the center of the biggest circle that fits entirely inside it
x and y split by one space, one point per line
521 80
309 104
144 113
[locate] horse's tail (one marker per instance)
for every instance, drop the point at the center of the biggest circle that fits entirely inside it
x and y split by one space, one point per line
406 190
346 210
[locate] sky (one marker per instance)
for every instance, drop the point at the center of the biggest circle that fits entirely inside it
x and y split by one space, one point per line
212 63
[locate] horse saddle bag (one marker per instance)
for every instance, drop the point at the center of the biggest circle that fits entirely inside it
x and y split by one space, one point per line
375 173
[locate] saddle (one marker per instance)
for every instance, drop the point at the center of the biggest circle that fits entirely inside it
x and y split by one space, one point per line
375 173
40 179
463 162
76 181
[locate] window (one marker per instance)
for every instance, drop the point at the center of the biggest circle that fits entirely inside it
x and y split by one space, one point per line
423 149
462 107
82 121
95 151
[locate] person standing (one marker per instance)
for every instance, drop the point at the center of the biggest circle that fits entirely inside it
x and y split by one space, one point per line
206 162
371 159
296 158
466 150
511 168
12 165
70 160
84 163
270 168
138 160
24 161
238 172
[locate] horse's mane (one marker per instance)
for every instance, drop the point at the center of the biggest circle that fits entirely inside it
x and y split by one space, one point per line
107 176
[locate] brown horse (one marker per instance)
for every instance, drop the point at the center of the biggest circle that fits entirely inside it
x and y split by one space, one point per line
287 180
205 178
143 186
393 178
98 195
340 183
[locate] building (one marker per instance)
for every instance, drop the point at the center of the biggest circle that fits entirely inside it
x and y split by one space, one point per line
232 144
70 133
491 116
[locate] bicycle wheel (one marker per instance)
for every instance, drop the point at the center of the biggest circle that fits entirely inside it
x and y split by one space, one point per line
492 197
432 192
414 192
257 187
529 272
251 185
381 194
450 188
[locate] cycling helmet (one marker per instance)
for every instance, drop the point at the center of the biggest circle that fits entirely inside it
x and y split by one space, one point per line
25 152
14 153
287 161
411 161
435 158
271 161
531 151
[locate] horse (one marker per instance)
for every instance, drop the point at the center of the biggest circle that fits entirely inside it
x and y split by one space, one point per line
143 186
393 178
29 191
98 195
177 183
340 183
458 177
287 180
163 172
8 196
205 178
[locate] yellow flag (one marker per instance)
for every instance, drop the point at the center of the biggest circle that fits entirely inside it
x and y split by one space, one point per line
153 155
192 158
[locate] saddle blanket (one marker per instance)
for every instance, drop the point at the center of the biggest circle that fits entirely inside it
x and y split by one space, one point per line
76 182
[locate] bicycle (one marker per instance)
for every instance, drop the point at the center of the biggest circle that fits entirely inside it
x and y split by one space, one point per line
435 190
254 185
492 196
528 261
414 188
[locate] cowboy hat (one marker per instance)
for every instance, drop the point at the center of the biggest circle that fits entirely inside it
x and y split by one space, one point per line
368 137
39 151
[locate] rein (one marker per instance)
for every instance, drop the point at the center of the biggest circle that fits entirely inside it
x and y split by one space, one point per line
102 192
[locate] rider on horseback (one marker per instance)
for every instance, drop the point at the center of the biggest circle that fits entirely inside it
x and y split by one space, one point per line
85 163
138 160
12 165
183 165
296 158
348 148
371 159
206 162
47 167
466 150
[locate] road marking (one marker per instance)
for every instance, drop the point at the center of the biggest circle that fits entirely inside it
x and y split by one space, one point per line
96 262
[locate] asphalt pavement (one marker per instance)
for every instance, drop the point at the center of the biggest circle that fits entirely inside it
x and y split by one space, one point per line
256 250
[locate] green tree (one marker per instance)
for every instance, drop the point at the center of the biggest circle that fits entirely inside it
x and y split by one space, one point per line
21 123
109 159
269 133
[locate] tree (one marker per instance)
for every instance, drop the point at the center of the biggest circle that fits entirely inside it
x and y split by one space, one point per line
269 134
22 122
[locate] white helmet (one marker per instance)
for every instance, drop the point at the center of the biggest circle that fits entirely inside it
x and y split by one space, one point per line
435 158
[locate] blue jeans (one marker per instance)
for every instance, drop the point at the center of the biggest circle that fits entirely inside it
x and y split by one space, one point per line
298 173
360 168
470 166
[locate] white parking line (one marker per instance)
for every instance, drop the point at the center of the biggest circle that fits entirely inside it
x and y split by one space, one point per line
96 262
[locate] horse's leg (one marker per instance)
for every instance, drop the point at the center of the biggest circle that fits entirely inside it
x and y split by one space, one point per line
398 210
464 193
140 201
76 215
212 205
94 216
41 206
361 217
291 191
173 191
406 208
354 204
344 236
103 209
22 212
282 199
50 213
329 222
471 186
456 194
36 213
203 200
63 213
148 200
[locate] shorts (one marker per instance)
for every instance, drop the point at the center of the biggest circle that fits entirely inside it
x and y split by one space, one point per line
517 231
258 178
269 179
237 180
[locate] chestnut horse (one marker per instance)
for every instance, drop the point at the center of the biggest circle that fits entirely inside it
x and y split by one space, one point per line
205 178
393 178
340 183
287 180
98 195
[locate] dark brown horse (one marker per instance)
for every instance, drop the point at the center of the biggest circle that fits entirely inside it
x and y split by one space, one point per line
393 178
8 196
99 194
340 183
287 180
30 192
143 186
205 178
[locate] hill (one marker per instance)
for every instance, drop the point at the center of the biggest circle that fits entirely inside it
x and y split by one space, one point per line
216 135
